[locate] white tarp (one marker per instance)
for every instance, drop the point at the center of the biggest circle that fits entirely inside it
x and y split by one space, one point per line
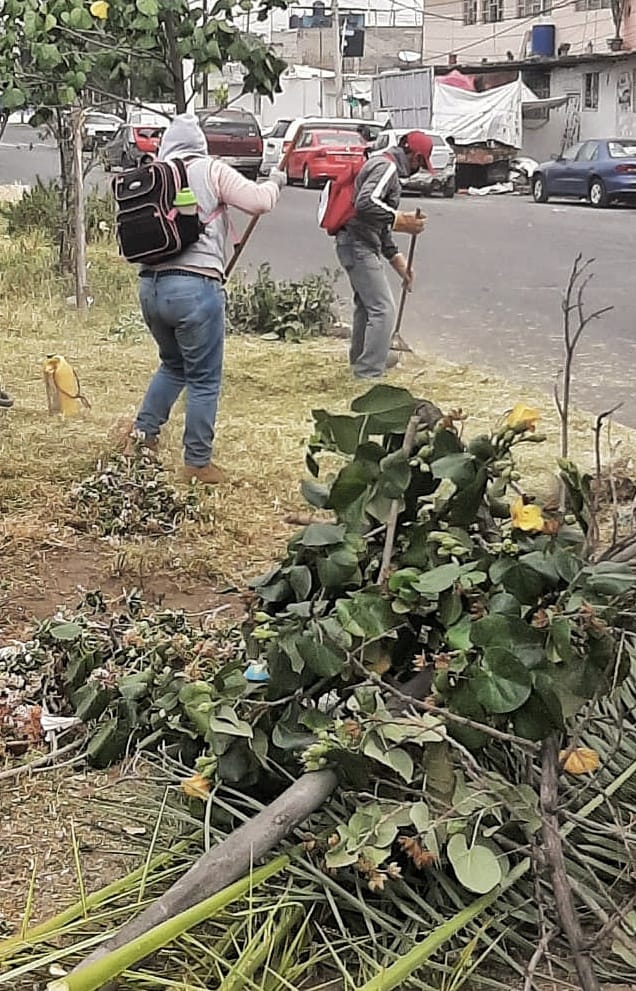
473 118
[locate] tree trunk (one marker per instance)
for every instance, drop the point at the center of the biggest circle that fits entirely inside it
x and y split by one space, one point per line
176 64
232 859
79 220
65 238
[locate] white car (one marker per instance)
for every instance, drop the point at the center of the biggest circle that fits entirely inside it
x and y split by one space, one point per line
284 132
100 128
442 179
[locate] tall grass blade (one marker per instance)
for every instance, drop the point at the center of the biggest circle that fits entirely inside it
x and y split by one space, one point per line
400 971
102 971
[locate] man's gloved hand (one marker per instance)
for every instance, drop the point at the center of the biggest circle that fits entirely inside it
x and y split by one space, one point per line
280 178
408 223
398 262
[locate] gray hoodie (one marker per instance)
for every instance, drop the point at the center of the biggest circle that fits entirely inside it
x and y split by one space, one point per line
183 138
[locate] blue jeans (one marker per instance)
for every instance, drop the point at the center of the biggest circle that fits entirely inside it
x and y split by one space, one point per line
185 314
373 307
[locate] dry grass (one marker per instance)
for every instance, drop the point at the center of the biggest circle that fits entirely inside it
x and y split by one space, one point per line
268 393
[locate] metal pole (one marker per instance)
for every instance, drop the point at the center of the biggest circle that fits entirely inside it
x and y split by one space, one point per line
337 56
423 38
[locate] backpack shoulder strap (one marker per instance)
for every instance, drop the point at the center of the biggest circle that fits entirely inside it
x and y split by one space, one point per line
182 171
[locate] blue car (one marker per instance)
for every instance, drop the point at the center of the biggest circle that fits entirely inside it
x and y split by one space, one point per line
600 171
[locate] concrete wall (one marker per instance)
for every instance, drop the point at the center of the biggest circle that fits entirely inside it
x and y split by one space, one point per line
615 116
445 34
314 46
300 98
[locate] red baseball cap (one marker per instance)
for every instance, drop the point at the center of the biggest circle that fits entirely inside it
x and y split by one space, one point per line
419 143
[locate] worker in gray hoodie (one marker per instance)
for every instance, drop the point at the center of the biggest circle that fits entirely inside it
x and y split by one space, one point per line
183 301
368 238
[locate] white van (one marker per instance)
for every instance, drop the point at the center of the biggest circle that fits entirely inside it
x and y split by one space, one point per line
281 137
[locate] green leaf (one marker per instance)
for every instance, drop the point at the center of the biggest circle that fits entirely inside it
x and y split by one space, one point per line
389 408
320 658
49 22
437 580
539 717
397 760
106 745
460 468
503 684
90 701
135 686
149 8
395 475
458 636
350 483
322 535
367 615
420 816
66 631
344 432
524 583
504 603
560 636
608 578
465 504
476 868
314 493
299 577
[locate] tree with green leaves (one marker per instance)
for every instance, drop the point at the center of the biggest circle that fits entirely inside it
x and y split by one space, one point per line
60 55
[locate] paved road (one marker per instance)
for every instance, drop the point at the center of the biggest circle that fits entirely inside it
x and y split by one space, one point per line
489 277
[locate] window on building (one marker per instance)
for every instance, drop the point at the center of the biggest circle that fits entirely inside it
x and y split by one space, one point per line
492 11
539 82
532 8
471 11
590 92
593 4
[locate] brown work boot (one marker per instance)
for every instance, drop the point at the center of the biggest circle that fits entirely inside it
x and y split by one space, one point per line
205 475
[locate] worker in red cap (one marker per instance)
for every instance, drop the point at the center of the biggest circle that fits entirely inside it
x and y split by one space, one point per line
368 238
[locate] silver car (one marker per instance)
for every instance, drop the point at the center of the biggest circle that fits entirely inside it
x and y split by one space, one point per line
441 180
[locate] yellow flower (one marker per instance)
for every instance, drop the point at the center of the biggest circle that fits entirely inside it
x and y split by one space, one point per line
525 517
99 9
580 761
196 787
523 417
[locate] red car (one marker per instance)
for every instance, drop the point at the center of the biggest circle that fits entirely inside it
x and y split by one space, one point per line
132 146
320 155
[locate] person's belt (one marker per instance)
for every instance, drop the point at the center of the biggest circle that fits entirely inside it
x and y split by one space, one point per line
149 273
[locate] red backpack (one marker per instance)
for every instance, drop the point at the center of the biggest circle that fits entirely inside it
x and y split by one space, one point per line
335 207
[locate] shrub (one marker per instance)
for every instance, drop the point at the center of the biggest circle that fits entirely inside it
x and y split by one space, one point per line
289 310
40 209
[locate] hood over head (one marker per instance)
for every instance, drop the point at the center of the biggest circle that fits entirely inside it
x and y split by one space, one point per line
183 138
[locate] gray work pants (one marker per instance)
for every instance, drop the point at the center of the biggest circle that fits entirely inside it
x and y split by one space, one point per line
374 308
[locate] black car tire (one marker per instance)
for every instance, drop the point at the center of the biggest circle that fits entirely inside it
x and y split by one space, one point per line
598 194
539 191
307 180
449 190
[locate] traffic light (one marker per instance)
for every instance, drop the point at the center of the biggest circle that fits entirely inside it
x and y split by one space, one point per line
352 34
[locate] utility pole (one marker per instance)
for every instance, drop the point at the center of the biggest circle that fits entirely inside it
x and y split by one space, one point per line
423 36
337 57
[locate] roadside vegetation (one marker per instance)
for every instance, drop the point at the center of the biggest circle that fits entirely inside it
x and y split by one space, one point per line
434 633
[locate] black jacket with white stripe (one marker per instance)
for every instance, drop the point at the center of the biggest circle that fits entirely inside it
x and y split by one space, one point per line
377 197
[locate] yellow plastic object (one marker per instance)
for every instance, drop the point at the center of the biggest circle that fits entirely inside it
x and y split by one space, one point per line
63 391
